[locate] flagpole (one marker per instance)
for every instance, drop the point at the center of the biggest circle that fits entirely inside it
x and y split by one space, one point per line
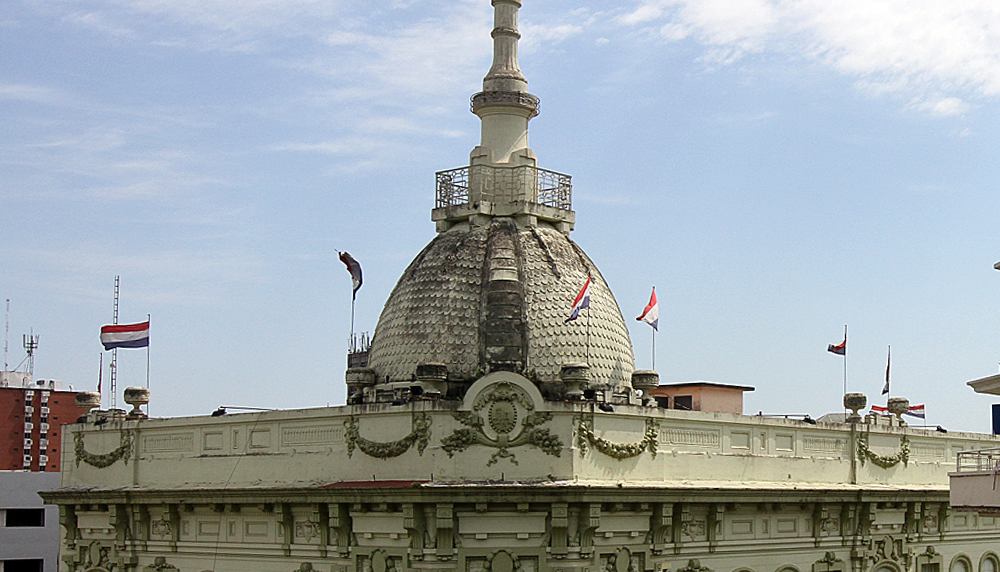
654 349
147 362
845 359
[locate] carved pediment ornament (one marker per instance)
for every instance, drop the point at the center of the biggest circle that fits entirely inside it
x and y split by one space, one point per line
159 563
420 434
694 565
884 461
887 547
123 452
585 436
502 417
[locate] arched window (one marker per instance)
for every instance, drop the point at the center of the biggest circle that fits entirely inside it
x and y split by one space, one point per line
961 563
989 562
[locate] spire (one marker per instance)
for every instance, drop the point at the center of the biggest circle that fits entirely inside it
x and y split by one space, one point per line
503 178
505 106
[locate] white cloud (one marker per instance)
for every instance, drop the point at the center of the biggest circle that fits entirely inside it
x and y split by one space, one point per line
938 52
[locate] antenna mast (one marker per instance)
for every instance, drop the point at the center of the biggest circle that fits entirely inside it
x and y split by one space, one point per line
114 352
30 342
6 334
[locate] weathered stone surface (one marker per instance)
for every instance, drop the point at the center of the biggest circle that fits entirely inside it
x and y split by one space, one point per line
445 308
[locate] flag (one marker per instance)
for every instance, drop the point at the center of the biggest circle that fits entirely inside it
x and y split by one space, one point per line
916 411
582 301
355 269
839 349
888 360
651 315
125 336
879 409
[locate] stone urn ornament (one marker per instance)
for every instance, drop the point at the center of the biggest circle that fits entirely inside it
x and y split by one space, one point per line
88 400
136 397
898 406
645 380
855 402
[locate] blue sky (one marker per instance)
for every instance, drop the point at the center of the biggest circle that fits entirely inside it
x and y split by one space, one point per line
776 168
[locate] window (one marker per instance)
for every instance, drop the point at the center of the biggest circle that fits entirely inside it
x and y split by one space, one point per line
988 563
934 567
32 565
21 517
683 402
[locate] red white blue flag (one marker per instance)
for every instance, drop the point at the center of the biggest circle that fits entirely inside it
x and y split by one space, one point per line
582 301
651 315
839 349
916 411
125 336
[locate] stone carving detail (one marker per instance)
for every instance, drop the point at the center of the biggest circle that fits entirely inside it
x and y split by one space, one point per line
888 548
306 529
420 434
930 523
379 561
304 567
123 452
159 563
93 558
160 527
694 565
585 435
830 525
884 461
622 561
693 529
501 403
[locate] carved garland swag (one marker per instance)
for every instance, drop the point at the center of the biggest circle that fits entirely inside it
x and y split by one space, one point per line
420 435
123 452
585 437
884 461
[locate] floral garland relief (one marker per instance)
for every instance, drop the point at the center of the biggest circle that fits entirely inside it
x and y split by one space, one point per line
123 452
585 436
884 461
501 404
420 434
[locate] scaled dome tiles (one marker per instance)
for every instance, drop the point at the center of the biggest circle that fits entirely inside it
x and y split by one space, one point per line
475 296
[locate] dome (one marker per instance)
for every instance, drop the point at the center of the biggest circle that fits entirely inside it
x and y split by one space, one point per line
496 297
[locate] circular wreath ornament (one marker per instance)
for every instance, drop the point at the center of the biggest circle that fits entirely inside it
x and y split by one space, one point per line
884 461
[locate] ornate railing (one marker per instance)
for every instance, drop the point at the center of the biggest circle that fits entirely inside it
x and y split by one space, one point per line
504 184
987 460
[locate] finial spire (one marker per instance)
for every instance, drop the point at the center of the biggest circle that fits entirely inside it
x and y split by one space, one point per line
505 74
503 178
504 105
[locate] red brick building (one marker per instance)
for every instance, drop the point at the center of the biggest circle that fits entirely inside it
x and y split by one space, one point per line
32 418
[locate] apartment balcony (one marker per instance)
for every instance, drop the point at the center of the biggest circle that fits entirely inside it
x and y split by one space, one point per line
974 482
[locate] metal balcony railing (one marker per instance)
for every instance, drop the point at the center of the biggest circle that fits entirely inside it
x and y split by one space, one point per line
982 460
500 184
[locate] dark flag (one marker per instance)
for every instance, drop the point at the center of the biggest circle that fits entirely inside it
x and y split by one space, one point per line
355 269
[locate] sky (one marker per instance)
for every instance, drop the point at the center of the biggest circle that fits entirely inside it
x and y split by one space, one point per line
778 169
